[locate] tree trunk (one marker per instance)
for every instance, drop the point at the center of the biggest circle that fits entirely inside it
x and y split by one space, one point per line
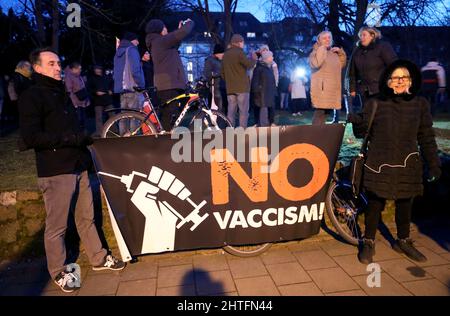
227 5
333 21
361 9
40 23
55 25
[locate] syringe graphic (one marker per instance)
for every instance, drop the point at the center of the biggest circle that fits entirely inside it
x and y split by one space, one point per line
167 182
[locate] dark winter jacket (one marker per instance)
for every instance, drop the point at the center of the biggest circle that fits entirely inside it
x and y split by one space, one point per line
400 139
212 68
366 66
168 69
100 84
49 125
147 67
135 66
263 89
234 70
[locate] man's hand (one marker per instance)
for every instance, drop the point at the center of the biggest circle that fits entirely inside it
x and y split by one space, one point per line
254 56
100 93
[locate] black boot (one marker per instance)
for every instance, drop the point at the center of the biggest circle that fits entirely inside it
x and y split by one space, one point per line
406 246
367 251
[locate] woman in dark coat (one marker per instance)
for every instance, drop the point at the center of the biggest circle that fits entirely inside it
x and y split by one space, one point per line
369 59
400 139
264 89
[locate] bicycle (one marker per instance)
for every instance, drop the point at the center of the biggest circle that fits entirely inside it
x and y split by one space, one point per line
144 123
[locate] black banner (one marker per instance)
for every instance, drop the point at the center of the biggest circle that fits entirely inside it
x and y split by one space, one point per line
203 190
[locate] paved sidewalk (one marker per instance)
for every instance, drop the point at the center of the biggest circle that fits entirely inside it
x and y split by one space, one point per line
308 267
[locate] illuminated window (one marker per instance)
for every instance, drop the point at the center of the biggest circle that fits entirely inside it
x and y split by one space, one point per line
251 35
189 66
190 77
188 49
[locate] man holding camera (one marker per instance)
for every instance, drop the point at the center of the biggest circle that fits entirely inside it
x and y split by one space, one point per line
169 76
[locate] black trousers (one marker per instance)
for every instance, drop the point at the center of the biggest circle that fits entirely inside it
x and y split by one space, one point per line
168 113
373 215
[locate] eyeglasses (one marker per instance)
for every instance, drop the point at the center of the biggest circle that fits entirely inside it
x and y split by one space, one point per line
397 79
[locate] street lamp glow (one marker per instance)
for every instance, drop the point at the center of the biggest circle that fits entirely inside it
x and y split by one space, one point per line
300 72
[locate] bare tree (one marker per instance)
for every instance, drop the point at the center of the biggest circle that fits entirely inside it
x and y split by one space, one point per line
228 7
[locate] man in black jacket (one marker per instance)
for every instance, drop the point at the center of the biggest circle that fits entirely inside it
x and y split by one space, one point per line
48 124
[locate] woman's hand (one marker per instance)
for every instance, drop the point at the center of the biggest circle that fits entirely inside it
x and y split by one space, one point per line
335 50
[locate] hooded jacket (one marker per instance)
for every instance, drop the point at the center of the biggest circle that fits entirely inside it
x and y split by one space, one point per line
134 60
400 141
263 85
167 66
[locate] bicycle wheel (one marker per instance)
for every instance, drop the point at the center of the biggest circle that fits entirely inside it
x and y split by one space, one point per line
344 210
247 250
126 124
214 121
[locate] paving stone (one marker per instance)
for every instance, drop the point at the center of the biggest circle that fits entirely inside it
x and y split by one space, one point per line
442 273
175 261
351 265
139 271
433 258
278 256
403 270
300 246
248 267
427 288
348 293
333 280
175 276
384 252
257 286
214 283
288 273
433 245
303 289
101 284
337 248
145 287
315 259
186 290
210 262
446 256
389 287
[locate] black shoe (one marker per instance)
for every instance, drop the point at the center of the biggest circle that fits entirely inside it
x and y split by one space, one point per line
366 253
110 263
406 246
66 281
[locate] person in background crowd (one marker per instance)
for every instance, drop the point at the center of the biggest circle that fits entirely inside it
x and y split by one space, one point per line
211 72
368 61
77 89
22 77
169 75
234 71
400 137
274 66
264 89
434 83
49 125
100 88
128 74
147 67
283 90
297 88
326 64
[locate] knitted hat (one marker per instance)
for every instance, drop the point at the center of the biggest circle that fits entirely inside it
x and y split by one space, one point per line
130 36
154 26
236 38
218 49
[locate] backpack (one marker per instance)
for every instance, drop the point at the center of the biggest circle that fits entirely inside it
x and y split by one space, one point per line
128 82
